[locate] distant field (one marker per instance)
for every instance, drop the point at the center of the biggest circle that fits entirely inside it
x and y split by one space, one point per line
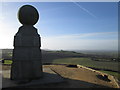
89 63
111 53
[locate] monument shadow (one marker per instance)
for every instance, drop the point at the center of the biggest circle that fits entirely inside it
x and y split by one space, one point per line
49 81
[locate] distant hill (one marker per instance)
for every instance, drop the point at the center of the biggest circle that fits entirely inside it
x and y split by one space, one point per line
106 53
49 56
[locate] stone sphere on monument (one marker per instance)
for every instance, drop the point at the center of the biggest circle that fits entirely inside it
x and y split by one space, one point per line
28 15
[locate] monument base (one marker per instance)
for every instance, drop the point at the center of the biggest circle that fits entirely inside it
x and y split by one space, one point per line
49 77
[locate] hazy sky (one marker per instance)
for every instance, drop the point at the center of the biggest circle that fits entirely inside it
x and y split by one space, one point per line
66 25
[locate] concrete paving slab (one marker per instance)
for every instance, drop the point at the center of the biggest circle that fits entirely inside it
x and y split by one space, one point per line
49 77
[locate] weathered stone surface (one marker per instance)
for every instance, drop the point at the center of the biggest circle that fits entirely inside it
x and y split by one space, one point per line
50 77
28 15
27 63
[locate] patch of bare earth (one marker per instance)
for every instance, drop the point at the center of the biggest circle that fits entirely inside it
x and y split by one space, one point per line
76 78
81 77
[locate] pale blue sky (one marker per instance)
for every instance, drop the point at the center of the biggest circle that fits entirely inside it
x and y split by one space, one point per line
66 25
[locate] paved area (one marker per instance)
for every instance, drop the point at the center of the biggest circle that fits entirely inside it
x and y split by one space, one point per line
49 77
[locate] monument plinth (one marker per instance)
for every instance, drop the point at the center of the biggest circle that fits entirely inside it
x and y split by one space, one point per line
26 58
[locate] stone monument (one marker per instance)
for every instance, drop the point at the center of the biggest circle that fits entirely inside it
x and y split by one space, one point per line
26 58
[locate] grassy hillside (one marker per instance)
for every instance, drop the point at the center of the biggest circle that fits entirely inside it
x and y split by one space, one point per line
49 56
113 66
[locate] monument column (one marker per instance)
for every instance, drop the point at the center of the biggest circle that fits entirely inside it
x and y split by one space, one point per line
26 58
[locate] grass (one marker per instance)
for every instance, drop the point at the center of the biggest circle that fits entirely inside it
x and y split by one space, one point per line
89 63
8 62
